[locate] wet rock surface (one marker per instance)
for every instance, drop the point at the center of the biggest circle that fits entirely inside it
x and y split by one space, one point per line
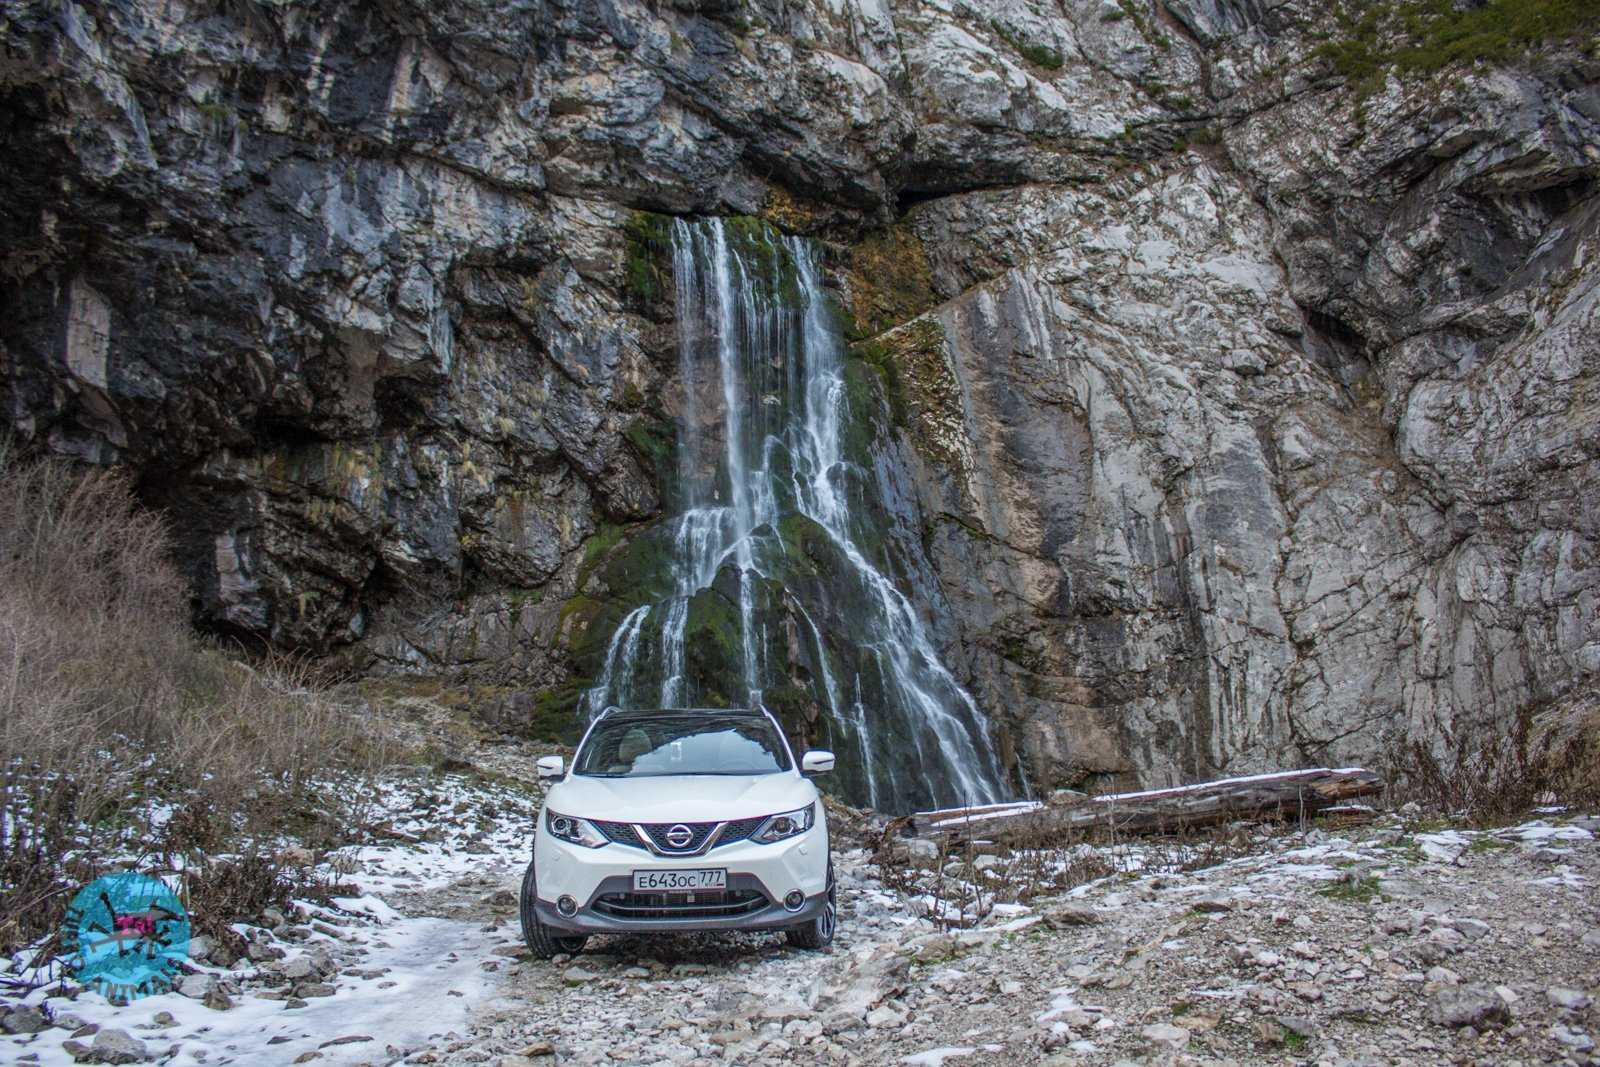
1254 416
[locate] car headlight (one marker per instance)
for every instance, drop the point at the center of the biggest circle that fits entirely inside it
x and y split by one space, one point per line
785 825
574 830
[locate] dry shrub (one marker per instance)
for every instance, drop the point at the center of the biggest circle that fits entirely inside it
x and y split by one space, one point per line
249 885
1491 772
960 884
123 737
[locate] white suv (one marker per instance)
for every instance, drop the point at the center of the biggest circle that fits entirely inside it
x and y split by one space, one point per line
680 820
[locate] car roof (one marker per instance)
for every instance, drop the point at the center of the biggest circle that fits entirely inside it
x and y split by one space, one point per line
630 714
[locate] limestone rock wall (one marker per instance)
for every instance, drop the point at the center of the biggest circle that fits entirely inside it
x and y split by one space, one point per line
1249 418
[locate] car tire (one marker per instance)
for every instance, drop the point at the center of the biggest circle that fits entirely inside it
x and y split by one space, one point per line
817 933
542 941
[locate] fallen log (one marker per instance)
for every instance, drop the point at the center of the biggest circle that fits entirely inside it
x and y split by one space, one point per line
1287 794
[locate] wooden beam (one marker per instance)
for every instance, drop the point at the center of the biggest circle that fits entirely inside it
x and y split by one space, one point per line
1286 794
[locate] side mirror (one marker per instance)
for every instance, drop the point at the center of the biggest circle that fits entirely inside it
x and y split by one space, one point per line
816 762
551 766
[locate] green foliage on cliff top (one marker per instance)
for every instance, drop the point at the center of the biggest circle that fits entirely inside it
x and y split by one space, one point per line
1426 36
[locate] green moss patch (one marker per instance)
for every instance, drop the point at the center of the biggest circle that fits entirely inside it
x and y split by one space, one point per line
889 282
1038 54
714 653
655 443
647 268
910 361
554 716
773 272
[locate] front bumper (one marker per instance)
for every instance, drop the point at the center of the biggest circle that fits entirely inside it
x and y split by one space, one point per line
592 920
601 879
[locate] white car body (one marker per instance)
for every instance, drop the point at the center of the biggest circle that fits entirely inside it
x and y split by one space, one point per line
580 890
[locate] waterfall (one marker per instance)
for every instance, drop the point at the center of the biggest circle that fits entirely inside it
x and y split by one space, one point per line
776 545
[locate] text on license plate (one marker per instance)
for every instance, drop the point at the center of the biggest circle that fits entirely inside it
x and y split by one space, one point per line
680 881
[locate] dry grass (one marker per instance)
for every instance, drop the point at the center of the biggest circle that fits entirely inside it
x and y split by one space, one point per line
1490 773
123 737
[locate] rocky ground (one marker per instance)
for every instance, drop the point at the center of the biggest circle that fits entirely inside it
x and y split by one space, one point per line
1385 946
1397 942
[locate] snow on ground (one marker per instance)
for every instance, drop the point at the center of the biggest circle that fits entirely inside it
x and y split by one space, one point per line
430 981
400 979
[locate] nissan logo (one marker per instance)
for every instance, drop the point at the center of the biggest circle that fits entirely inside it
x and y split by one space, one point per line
679 836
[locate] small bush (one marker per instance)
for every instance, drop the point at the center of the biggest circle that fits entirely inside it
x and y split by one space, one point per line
124 739
1490 772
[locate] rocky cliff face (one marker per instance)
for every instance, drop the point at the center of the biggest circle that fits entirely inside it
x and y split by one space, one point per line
1250 415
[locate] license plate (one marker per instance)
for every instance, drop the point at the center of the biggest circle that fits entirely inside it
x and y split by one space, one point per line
679 881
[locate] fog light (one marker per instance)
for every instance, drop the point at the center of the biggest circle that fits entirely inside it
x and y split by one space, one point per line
567 907
794 901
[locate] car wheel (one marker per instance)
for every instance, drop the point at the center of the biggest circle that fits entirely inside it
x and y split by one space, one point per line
542 941
818 932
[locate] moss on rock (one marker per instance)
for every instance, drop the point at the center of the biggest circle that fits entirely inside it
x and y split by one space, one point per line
888 280
554 715
713 649
916 374
647 267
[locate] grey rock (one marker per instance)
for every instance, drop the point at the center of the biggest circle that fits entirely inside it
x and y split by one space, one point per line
1474 1005
1165 1034
217 1000
1066 915
299 967
1576 1040
1568 999
197 986
24 1021
117 1046
884 1018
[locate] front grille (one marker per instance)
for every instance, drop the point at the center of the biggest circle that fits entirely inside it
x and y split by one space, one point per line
740 830
625 833
715 904
699 831
620 832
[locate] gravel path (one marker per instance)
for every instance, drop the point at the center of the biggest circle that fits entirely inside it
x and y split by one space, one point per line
1393 944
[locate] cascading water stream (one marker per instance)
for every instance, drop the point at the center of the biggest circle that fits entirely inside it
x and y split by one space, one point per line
763 420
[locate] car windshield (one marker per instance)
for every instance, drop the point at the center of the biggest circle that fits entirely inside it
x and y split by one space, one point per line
681 744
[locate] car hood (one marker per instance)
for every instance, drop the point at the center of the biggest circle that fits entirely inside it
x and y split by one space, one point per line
679 797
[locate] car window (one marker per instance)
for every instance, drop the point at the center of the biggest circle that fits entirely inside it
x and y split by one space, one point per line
639 748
